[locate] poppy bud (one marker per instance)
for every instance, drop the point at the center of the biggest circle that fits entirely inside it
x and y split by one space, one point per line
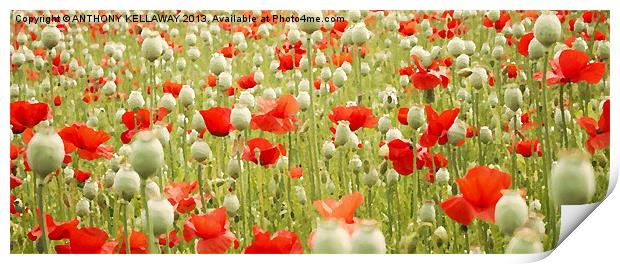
126 183
328 149
339 77
547 29
393 133
201 151
234 168
486 135
301 194
535 50
442 175
579 25
186 96
82 208
181 64
45 152
90 189
518 30
152 47
312 22
370 178
161 213
18 58
462 61
161 133
355 164
147 154
364 69
21 38
303 98
135 100
359 33
525 241
513 98
384 124
193 54
478 77
231 203
331 238
50 36
109 88
320 60
493 100
572 179
427 211
108 179
391 177
269 93
240 117
510 211
455 46
470 47
217 64
463 95
602 50
368 239
557 117
497 52
580 44
415 117
457 132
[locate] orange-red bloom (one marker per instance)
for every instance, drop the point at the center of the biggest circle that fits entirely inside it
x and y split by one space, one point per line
247 81
480 190
573 66
527 147
138 243
427 78
358 116
343 209
27 115
438 125
87 240
55 230
217 120
172 88
88 141
142 121
267 153
598 133
282 242
276 116
212 229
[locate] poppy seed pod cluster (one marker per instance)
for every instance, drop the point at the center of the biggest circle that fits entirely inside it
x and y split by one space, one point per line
147 154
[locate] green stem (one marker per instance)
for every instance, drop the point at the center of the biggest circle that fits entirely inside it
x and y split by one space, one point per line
42 223
126 228
201 189
149 229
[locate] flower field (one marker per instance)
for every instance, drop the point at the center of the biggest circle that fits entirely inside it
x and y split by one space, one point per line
418 132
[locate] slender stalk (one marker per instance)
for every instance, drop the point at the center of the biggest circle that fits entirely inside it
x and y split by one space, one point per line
40 204
201 189
149 228
126 228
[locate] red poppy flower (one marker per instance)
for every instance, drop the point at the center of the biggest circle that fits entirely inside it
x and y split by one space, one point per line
427 78
15 182
180 196
276 116
599 133
401 155
57 100
511 71
480 190
268 154
438 125
527 147
88 141
172 239
211 229
142 121
498 24
229 51
217 120
296 172
407 28
573 66
172 88
358 116
138 243
247 81
12 208
81 176
282 242
87 240
55 230
402 115
343 209
337 59
27 115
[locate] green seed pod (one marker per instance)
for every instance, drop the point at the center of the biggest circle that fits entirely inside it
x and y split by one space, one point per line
343 133
186 96
331 238
462 61
457 132
478 77
486 135
393 133
470 47
135 100
301 194
328 149
513 98
535 222
557 117
18 58
201 151
161 213
355 164
602 50
109 88
580 44
147 154
510 212
108 179
50 36
90 189
525 241
456 46
126 183
240 117
384 124
339 77
231 203
535 50
441 233
45 152
152 47
442 176
82 208
579 25
368 239
415 117
572 179
312 24
370 178
235 168
518 30
391 177
547 29
152 190
427 211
